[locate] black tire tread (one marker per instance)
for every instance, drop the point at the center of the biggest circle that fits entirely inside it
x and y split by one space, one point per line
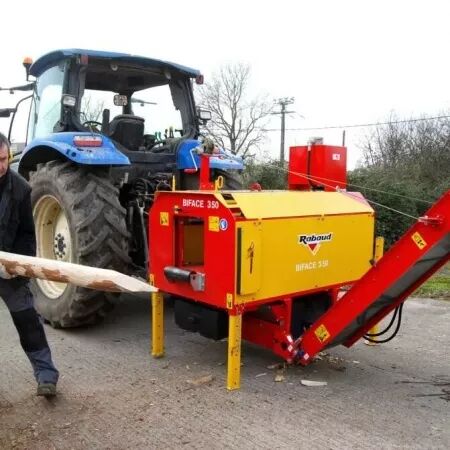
99 236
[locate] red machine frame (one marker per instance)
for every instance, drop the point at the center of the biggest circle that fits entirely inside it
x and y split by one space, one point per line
430 236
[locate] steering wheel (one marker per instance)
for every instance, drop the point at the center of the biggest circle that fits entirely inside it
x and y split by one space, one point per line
88 123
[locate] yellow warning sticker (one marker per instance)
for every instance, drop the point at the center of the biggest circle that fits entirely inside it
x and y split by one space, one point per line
322 333
164 218
229 300
213 223
419 240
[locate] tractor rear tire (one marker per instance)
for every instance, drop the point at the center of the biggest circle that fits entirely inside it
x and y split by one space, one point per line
78 219
231 180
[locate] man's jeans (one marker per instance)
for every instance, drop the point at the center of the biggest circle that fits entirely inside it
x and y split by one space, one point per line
19 300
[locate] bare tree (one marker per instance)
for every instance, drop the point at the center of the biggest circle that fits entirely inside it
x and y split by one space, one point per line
92 109
237 120
406 165
417 150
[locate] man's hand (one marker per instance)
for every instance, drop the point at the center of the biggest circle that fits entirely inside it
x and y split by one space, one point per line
5 274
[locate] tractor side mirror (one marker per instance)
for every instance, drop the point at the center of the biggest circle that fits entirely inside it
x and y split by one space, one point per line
120 100
6 112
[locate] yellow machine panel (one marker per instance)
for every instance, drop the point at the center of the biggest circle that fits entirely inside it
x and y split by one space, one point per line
249 241
287 255
272 204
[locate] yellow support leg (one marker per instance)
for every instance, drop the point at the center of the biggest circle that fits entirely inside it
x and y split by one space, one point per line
234 352
157 325
379 249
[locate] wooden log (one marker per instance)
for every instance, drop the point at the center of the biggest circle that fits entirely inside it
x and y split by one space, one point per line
84 276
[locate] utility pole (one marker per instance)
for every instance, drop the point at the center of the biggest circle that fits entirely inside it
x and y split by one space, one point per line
283 102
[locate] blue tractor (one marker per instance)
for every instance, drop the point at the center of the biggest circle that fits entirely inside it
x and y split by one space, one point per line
105 132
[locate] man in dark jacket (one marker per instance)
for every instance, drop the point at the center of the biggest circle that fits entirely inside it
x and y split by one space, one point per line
17 236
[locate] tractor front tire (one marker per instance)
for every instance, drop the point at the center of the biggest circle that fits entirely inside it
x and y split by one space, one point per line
78 219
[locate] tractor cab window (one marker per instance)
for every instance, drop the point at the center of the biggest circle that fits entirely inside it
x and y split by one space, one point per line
93 103
145 119
46 106
155 105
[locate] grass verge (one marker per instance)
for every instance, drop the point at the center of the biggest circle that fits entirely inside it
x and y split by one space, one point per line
438 286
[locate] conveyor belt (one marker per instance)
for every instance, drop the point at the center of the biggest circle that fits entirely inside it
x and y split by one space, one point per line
420 252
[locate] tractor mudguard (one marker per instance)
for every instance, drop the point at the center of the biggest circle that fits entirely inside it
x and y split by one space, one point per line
187 158
105 154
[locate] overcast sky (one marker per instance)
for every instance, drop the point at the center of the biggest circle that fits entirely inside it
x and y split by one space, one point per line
345 62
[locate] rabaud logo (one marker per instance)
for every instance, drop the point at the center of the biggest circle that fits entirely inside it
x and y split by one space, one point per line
313 241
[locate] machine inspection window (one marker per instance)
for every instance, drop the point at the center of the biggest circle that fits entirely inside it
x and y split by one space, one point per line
190 248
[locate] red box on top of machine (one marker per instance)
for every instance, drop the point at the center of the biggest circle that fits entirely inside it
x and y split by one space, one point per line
317 166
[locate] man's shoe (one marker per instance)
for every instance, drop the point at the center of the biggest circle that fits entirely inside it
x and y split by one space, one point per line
46 390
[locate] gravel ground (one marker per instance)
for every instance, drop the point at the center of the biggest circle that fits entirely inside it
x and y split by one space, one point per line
113 395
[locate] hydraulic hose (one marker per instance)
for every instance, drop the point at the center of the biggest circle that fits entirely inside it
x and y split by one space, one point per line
387 328
397 328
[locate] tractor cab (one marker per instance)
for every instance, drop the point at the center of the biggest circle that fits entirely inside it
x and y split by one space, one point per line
139 103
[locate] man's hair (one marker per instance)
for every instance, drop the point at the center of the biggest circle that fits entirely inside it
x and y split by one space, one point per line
4 142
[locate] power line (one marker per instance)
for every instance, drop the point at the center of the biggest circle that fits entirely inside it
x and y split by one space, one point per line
335 188
319 179
361 125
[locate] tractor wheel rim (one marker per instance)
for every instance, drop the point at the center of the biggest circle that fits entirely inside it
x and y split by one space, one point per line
53 239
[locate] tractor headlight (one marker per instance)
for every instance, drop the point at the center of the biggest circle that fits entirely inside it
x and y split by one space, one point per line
69 100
